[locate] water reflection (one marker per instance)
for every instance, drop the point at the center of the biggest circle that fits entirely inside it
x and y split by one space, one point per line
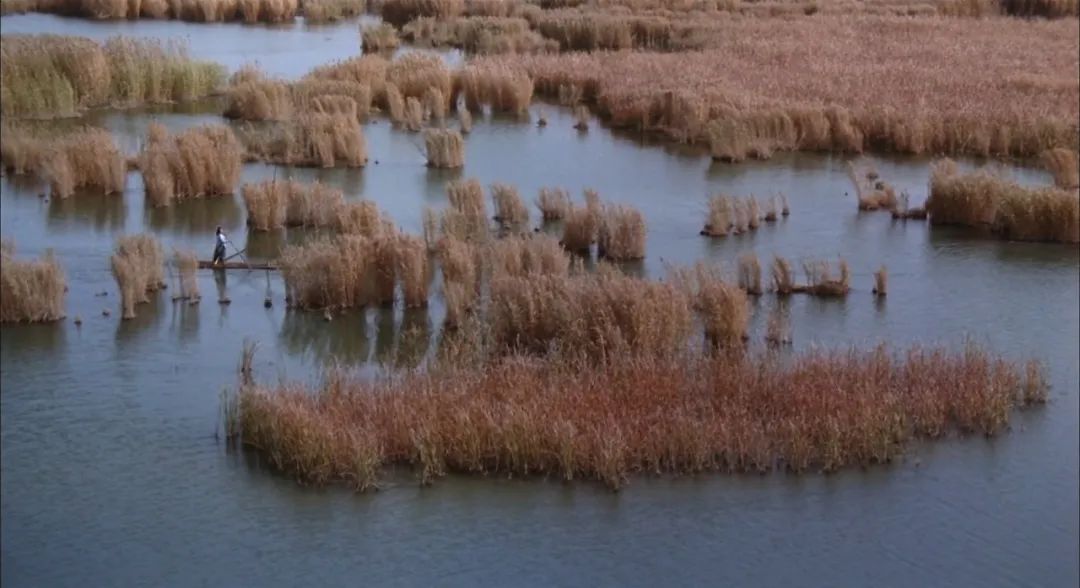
270 244
101 212
129 332
384 335
185 320
29 341
343 339
197 217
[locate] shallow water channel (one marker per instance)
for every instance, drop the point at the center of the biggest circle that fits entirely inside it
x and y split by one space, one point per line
113 474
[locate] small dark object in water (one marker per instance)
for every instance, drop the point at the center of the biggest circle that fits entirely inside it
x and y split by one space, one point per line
376 162
542 122
102 293
78 321
105 312
193 301
224 301
41 195
326 315
267 303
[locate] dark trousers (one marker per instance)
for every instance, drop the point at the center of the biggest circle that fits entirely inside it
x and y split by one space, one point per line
219 253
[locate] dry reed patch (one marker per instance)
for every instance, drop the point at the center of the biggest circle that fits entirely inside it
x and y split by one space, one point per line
575 419
413 270
85 158
464 119
510 209
330 273
1010 211
871 192
722 308
461 279
881 281
553 203
31 291
252 96
312 139
485 35
399 12
731 215
44 76
435 105
413 74
363 218
596 314
1064 165
860 83
579 229
366 70
186 265
444 148
139 268
380 37
783 278
531 255
750 273
201 161
322 11
620 234
821 280
501 87
246 11
267 203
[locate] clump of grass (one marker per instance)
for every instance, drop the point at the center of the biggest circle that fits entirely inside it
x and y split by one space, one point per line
314 139
870 192
881 281
44 76
201 161
581 118
553 203
412 260
362 218
31 291
267 203
322 11
822 281
479 34
722 307
728 215
330 273
83 159
503 89
413 74
435 105
395 104
445 148
467 200
1064 164
750 273
620 234
531 255
464 120
186 264
579 229
510 209
461 279
1008 210
414 114
400 12
138 265
783 278
380 37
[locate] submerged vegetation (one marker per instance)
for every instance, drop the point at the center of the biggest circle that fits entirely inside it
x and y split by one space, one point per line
46 76
31 291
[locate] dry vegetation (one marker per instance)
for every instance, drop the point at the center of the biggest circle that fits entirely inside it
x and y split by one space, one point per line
247 11
85 159
481 34
503 88
312 139
574 418
553 203
187 263
322 11
1065 167
254 97
139 268
380 37
730 215
45 76
445 148
31 291
852 84
201 161
1010 211
278 204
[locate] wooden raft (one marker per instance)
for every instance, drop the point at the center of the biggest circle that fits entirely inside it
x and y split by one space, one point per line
235 265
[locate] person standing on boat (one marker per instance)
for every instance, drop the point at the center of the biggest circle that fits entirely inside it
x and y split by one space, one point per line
219 247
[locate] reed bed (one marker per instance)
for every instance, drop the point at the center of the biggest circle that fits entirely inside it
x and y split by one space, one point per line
731 215
369 71
138 265
379 38
821 280
435 105
1064 165
482 34
461 270
510 209
500 87
31 291
861 83
312 139
783 278
1006 209
413 74
84 159
246 11
444 148
579 229
620 234
750 274
553 203
821 410
186 265
871 192
528 255
252 96
722 308
414 115
323 11
201 161
400 12
46 76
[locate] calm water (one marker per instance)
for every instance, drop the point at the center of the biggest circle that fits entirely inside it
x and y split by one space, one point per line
113 475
